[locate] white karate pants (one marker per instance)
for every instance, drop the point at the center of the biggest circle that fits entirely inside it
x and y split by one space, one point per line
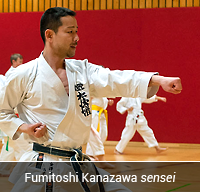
131 127
95 145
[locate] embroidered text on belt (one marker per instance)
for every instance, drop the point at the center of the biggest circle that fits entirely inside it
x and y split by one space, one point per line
101 110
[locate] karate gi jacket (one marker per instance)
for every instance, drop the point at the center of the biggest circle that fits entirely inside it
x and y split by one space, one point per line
10 71
39 95
137 113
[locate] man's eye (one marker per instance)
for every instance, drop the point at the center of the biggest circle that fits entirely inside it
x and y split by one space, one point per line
70 32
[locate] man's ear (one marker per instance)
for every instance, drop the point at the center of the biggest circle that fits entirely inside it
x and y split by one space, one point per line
49 34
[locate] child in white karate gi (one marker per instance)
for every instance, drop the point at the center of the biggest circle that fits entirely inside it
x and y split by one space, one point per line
136 121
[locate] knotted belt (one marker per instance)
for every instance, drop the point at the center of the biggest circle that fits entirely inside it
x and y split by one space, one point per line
137 116
75 156
101 110
77 168
54 151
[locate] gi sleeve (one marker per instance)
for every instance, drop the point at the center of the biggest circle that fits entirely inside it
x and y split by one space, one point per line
116 83
12 94
121 105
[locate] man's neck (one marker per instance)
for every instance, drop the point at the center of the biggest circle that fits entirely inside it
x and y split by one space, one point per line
54 61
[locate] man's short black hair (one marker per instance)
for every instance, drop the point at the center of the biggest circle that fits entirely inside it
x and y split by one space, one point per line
51 19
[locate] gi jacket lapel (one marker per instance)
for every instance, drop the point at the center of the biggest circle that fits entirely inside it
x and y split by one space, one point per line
52 84
60 138
74 129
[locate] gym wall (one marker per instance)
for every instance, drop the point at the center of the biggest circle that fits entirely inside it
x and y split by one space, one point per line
163 40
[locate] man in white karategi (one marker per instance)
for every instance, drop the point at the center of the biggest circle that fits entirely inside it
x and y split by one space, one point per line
16 60
52 94
13 149
99 130
136 121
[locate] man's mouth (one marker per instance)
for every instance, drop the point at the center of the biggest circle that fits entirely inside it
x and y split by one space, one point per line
73 46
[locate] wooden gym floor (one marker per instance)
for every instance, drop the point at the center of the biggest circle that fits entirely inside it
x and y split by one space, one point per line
138 151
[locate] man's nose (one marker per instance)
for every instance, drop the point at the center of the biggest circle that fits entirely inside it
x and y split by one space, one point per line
76 39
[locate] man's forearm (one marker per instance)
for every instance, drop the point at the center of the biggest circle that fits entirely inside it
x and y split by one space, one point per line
155 80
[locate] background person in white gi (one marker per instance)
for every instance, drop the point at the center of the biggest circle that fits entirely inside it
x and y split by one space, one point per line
2 81
16 59
99 130
136 121
13 149
52 94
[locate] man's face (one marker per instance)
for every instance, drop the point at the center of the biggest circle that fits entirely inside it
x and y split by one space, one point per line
64 42
17 62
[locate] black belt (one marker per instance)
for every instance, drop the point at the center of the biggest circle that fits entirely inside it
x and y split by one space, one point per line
53 151
75 157
137 118
77 168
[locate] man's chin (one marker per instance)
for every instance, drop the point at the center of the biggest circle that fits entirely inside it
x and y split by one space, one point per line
70 55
